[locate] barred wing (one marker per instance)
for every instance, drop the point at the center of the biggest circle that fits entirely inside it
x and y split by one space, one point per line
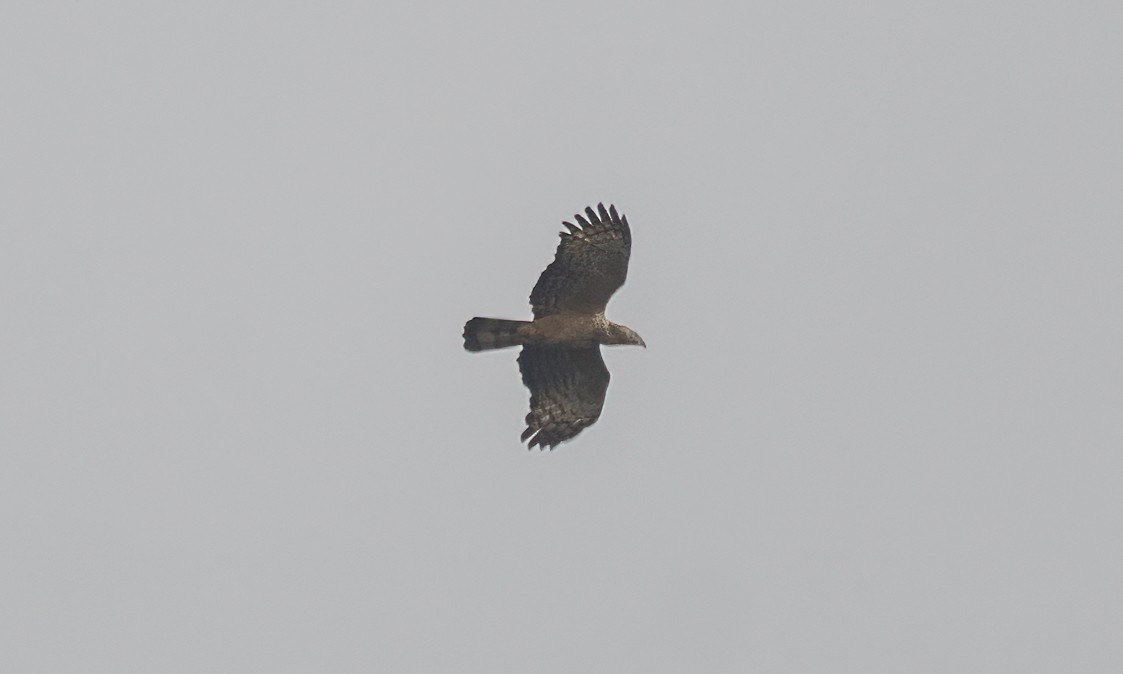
590 264
567 387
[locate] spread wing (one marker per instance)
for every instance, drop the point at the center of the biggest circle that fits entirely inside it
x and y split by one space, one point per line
590 264
567 387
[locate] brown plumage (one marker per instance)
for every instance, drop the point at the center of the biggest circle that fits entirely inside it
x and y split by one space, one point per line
561 362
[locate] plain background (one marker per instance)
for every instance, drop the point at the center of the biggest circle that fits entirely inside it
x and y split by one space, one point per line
877 264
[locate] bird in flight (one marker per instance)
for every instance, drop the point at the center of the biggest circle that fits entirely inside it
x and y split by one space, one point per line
561 362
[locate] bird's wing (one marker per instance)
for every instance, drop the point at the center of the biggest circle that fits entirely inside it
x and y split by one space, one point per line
567 387
590 264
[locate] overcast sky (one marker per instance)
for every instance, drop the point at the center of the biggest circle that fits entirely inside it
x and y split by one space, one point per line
877 262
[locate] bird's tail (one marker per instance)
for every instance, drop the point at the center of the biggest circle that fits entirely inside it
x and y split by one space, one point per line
481 334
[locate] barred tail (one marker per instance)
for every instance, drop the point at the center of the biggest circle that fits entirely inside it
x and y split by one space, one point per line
481 334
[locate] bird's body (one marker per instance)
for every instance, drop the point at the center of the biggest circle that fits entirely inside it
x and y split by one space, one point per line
560 361
556 329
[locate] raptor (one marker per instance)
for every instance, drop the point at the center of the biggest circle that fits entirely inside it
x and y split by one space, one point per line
561 362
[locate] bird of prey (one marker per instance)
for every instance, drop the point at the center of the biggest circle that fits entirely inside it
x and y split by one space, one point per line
561 362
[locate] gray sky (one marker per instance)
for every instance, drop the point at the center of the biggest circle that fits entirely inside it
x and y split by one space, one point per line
876 262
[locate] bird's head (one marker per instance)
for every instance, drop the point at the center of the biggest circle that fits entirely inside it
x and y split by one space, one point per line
622 334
